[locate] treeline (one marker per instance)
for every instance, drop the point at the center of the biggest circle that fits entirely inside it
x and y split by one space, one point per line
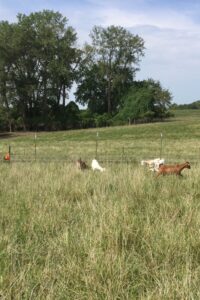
193 105
40 61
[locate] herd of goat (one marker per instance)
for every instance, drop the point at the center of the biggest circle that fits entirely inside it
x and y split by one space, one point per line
156 165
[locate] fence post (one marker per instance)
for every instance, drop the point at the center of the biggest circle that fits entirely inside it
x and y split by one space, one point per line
161 137
9 151
35 146
96 151
123 154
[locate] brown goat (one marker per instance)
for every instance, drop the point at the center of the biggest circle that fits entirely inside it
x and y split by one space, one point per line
81 165
172 169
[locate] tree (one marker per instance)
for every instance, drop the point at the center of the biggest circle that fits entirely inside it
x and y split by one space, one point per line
146 100
193 105
7 54
40 64
72 116
108 67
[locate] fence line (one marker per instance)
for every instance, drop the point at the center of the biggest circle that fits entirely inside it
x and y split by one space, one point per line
125 154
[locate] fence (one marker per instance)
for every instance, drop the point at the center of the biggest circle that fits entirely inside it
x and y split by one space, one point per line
107 155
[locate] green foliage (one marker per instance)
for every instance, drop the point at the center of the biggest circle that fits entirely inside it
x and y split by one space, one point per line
71 116
146 100
108 67
87 119
4 119
91 90
193 105
37 63
103 120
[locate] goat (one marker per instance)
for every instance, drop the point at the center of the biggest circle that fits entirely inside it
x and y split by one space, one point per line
95 166
153 164
7 157
157 164
81 165
173 169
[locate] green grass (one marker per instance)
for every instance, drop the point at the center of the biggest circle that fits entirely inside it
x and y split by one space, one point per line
181 141
122 234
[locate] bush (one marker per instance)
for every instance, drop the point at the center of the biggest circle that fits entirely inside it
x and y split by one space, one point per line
103 120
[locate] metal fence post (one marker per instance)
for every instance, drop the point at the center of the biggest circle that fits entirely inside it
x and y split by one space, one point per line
161 137
96 152
123 154
35 146
9 151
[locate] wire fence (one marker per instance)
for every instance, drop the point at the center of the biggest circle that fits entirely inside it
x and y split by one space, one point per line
105 151
107 155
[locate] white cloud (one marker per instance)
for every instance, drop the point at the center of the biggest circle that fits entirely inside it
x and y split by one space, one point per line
173 57
172 36
159 19
172 43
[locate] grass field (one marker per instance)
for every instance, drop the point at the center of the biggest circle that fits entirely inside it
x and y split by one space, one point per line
181 141
122 234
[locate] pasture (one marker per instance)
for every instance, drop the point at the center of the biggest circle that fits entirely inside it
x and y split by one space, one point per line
121 234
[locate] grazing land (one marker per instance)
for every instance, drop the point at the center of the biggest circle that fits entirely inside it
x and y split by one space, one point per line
121 234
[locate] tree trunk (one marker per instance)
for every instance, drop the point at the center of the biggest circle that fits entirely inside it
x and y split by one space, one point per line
5 100
10 126
64 95
109 96
109 86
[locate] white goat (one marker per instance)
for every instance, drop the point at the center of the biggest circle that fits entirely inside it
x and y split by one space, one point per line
153 164
95 166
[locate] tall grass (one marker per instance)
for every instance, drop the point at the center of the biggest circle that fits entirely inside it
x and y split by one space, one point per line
122 234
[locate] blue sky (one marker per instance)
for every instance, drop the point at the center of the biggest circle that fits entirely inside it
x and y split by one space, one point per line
170 29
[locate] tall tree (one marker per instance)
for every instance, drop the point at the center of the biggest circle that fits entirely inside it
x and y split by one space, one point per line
41 64
108 68
7 54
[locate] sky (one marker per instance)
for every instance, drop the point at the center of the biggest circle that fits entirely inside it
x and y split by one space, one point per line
170 29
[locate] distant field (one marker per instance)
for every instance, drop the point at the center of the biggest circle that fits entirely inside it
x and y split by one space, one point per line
122 234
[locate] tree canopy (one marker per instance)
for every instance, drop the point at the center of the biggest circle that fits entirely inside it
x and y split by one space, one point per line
40 61
108 67
145 100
